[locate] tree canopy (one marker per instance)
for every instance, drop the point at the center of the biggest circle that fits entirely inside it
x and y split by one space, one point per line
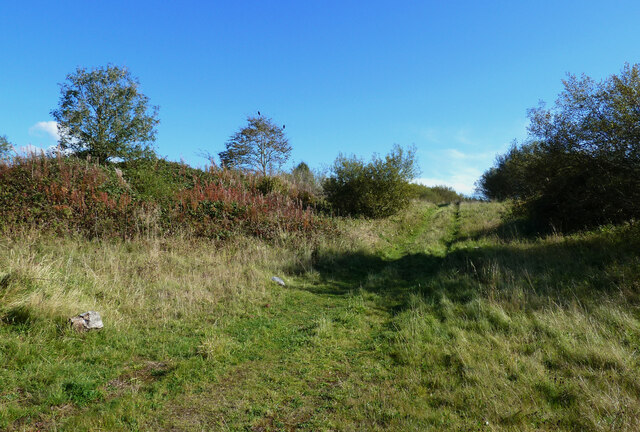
5 147
302 175
260 146
103 114
581 164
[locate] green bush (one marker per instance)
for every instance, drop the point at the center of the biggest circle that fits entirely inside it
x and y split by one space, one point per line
435 194
272 184
159 180
516 174
376 189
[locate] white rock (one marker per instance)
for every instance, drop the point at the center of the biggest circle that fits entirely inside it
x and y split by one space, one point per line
87 321
278 280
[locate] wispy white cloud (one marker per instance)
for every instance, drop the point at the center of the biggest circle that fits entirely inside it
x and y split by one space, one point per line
456 154
47 128
457 157
462 137
470 156
462 181
430 135
455 168
434 135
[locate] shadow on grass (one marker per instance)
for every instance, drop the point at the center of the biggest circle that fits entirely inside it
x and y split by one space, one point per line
562 270
509 229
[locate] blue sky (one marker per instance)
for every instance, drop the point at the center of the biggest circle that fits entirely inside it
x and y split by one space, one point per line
454 78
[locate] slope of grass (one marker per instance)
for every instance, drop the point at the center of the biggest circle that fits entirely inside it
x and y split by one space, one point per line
435 319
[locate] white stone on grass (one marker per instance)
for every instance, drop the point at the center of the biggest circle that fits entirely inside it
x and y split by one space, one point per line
277 280
87 321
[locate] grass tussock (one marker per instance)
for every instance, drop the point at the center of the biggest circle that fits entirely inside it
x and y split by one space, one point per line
438 318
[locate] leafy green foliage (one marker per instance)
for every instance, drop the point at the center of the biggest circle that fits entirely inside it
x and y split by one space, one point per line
102 114
260 146
302 175
271 184
159 180
5 147
435 194
515 174
307 187
581 166
376 189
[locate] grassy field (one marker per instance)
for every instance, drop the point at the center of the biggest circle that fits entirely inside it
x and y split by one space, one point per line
440 318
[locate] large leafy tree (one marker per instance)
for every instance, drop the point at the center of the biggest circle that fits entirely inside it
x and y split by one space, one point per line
260 146
581 164
103 114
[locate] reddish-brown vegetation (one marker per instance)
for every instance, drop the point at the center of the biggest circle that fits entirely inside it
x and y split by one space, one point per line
69 195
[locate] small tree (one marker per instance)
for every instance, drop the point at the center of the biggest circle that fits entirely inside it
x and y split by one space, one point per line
259 146
5 147
303 176
377 189
102 114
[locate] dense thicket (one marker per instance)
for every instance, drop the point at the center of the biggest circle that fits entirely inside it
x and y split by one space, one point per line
378 188
581 164
69 195
435 194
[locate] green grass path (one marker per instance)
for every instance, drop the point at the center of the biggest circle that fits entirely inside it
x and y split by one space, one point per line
318 357
431 320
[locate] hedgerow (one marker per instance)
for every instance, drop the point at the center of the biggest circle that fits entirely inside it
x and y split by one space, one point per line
69 195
